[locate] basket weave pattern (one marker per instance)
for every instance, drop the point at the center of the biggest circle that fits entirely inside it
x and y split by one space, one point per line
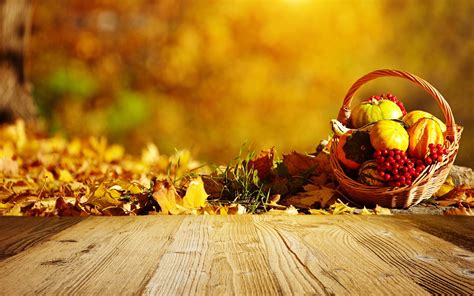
429 180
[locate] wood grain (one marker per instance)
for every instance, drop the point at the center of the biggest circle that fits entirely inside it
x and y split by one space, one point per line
100 255
20 233
340 264
458 230
243 255
434 264
216 256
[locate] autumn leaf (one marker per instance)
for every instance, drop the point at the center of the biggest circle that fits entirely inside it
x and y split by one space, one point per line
113 153
318 212
263 163
364 211
297 163
382 211
314 195
196 196
65 176
289 211
105 197
166 196
447 186
341 208
459 211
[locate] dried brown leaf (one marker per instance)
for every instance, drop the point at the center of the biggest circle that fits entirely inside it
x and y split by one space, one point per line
263 163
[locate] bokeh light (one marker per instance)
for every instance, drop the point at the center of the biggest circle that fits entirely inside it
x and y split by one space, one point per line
211 75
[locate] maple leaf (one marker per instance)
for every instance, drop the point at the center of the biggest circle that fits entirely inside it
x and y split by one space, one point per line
263 163
196 195
297 163
313 194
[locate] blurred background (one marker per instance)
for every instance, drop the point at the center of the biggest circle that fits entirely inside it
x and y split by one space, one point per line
210 75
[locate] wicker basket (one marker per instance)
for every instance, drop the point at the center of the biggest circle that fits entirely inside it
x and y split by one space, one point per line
429 180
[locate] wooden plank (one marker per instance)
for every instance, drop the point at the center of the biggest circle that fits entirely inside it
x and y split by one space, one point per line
101 255
261 255
433 263
458 230
217 256
20 233
313 255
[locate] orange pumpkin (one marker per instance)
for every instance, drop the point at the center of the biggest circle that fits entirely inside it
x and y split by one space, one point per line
389 134
424 132
412 117
354 148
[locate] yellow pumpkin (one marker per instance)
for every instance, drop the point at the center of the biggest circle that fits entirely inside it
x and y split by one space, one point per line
389 134
412 117
424 132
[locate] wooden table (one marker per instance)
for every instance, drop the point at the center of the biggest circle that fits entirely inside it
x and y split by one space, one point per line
260 255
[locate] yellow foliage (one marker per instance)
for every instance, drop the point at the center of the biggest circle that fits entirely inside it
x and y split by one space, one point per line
196 196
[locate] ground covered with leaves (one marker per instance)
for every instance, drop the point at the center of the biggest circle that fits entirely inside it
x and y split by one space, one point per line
53 176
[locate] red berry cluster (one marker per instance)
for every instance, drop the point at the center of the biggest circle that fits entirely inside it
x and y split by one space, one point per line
392 98
396 168
436 154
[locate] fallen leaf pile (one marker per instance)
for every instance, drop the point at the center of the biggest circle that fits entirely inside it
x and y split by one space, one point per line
42 176
52 176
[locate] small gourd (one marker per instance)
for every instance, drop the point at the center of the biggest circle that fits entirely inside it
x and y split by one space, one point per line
424 132
414 116
354 148
369 175
389 134
374 110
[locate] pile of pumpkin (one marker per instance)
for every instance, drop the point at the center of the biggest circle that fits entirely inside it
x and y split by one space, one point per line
386 146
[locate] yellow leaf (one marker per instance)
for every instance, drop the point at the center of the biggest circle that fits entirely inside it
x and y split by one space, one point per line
114 153
195 196
365 212
129 186
318 212
223 211
382 211
165 195
114 193
4 206
74 148
444 189
65 176
341 208
100 191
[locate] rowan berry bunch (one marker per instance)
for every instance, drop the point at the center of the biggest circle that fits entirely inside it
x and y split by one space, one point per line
399 169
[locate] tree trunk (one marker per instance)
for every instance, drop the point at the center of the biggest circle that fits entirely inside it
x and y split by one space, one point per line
15 98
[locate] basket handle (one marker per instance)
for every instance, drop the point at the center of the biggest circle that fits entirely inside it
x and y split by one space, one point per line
345 111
